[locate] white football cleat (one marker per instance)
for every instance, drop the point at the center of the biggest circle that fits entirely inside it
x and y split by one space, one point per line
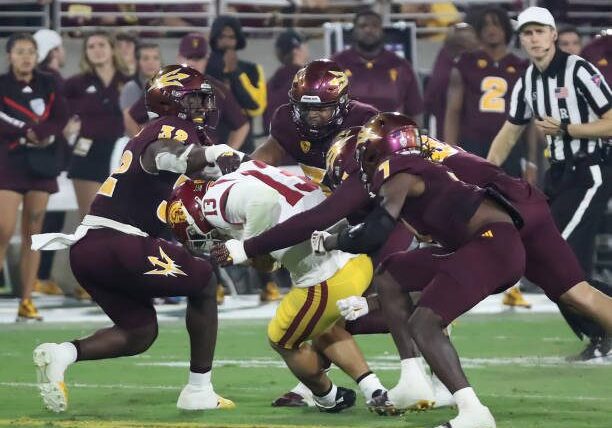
50 376
194 398
418 395
476 417
443 396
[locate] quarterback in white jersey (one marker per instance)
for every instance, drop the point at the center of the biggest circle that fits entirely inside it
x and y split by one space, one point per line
251 200
258 196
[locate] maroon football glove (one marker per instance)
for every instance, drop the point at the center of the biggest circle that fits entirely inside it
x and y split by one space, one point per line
228 162
220 254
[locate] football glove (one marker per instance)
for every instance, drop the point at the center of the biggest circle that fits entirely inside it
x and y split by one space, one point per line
353 307
229 253
228 162
317 241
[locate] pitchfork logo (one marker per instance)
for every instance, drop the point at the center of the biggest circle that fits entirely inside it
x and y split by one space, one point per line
166 266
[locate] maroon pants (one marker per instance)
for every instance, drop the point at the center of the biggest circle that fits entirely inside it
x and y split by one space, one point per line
551 263
124 272
452 283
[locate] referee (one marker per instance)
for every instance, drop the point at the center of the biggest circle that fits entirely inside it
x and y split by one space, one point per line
571 103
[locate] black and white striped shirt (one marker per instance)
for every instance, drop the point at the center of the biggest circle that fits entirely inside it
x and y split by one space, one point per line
572 90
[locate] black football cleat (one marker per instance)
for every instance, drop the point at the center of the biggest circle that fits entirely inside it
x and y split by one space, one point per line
598 347
381 405
290 399
345 398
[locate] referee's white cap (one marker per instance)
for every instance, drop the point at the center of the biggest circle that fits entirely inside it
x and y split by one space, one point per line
535 15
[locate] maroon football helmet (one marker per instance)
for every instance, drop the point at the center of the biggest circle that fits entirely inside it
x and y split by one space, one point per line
185 216
340 159
182 91
383 135
318 86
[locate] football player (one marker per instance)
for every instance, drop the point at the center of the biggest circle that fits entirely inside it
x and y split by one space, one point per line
350 200
482 249
245 203
319 107
302 130
117 256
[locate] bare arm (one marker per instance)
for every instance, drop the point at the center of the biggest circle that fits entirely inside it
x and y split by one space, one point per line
503 142
454 104
270 152
236 138
601 127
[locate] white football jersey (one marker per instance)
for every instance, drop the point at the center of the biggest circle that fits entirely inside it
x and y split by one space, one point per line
255 198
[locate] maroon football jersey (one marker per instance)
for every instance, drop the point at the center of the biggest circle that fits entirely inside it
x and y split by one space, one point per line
478 171
487 89
310 155
387 82
599 53
133 196
444 209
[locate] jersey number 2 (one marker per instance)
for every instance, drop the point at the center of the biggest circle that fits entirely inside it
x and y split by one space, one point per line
108 187
493 91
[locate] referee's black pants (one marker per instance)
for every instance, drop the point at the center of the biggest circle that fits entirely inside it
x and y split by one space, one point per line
578 197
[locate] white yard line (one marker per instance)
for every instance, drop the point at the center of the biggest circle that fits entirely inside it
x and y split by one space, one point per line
178 388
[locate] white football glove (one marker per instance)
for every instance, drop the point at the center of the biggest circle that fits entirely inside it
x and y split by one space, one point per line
236 251
353 307
213 152
317 241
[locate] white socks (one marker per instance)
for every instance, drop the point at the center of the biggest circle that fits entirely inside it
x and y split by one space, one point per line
329 399
302 390
200 380
369 384
466 399
68 353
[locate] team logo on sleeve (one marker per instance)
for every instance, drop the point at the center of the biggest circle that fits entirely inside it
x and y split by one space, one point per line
305 146
596 78
165 266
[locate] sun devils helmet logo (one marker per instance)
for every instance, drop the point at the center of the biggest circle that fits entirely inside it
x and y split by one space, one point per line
319 85
171 78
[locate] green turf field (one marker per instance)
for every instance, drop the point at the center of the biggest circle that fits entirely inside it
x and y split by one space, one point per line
514 361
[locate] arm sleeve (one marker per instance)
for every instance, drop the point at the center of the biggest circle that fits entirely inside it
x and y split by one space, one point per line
593 87
520 112
249 87
348 198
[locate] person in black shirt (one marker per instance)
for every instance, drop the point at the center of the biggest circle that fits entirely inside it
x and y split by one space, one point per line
571 103
32 113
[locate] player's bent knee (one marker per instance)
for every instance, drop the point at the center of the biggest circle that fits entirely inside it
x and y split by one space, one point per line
141 338
422 322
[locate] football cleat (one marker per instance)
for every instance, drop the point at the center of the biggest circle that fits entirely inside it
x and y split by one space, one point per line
220 294
381 405
80 293
478 417
48 287
290 399
598 347
442 395
194 398
345 398
270 293
50 377
514 298
27 311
